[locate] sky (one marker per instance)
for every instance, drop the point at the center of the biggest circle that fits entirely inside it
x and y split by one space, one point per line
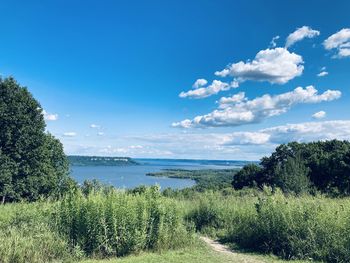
182 79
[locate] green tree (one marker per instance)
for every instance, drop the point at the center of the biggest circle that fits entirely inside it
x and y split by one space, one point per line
33 163
248 176
327 163
7 170
292 176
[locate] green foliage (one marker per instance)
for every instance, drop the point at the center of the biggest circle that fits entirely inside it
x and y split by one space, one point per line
324 165
304 227
101 224
248 176
27 236
292 176
33 163
205 179
93 186
117 223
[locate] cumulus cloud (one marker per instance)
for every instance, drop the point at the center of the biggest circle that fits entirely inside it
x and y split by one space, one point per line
50 116
202 92
339 41
239 97
100 133
300 34
301 132
239 111
243 144
277 66
310 131
69 134
200 83
319 115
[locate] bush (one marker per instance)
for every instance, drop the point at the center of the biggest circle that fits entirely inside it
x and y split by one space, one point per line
117 223
27 236
292 227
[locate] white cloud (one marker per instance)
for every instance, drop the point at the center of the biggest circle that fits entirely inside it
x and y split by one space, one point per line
69 134
200 83
339 41
236 112
277 66
322 74
319 115
95 126
310 131
239 97
247 138
100 133
242 144
49 116
301 132
300 34
273 41
202 92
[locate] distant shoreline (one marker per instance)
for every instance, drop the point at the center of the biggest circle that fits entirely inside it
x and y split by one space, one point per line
79 160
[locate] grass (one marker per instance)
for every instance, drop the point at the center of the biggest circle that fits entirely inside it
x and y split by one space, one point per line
120 224
291 227
199 253
98 225
26 235
117 223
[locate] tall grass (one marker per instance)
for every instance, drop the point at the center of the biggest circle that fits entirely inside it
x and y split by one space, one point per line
98 225
291 227
26 236
116 223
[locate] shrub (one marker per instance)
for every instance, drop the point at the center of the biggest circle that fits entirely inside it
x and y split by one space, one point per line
117 223
26 235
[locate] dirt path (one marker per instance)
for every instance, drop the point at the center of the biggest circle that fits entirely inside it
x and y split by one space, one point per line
233 257
216 246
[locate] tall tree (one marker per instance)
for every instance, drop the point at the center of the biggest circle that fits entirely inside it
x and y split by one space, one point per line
32 162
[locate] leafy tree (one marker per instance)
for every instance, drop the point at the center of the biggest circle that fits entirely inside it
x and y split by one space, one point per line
326 164
7 170
33 163
292 176
248 176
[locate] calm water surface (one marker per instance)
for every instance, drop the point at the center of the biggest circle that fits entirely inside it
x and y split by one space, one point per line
135 175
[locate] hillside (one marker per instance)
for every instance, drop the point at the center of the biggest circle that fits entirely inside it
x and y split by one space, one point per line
78 160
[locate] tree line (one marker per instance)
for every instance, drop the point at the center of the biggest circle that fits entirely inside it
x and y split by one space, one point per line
302 167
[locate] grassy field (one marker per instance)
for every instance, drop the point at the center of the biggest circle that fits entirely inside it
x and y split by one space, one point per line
199 253
148 227
292 227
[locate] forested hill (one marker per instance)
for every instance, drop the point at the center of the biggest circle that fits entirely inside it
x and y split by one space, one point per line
78 160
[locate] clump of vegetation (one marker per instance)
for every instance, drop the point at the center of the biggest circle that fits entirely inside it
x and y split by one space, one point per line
32 162
26 235
302 167
205 179
304 227
99 224
117 223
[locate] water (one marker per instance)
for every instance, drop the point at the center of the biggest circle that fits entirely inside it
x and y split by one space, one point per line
135 175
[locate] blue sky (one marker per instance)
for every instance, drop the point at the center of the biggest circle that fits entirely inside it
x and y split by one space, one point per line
109 75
